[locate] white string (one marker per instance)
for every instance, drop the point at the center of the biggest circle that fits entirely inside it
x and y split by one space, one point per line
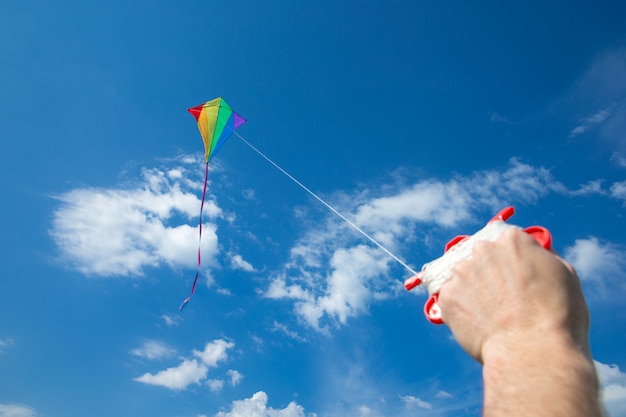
357 228
435 273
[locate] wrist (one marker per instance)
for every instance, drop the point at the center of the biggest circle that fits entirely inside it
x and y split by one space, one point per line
549 376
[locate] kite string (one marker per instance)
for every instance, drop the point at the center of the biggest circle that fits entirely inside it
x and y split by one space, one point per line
354 226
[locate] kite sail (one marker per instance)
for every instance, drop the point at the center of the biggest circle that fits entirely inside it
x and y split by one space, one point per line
216 122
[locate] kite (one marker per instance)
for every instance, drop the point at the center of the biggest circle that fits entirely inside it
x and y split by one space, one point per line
216 122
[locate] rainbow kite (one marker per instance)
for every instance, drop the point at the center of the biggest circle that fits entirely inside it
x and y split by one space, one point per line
216 122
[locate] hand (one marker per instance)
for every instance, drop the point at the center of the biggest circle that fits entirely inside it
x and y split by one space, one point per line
512 292
519 310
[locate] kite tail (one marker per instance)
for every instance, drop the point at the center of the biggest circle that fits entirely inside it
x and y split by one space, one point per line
195 281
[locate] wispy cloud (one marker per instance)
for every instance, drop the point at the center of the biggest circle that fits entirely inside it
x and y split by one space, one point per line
215 385
13 410
170 320
498 118
235 377
589 122
618 190
412 401
279 327
237 262
153 350
599 98
590 188
5 343
190 370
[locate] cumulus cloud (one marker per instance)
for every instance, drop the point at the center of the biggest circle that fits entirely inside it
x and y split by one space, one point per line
598 264
358 273
256 406
613 389
190 370
153 350
13 410
348 286
214 352
123 230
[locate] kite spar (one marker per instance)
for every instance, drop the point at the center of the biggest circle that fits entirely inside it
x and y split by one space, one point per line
216 122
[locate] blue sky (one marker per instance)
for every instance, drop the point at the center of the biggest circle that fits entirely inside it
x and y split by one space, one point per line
416 120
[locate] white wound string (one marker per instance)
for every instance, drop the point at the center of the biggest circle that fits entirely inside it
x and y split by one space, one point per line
437 272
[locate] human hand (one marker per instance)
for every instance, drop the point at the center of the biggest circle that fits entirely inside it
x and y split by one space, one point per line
512 294
519 310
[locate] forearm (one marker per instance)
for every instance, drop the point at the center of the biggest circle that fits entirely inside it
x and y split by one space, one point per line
540 379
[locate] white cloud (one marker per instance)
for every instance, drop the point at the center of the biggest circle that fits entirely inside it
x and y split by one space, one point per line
347 286
237 262
599 264
358 273
190 371
279 327
248 194
153 350
171 320
618 190
618 159
256 406
613 388
215 385
347 291
449 203
590 188
121 231
589 122
235 377
12 410
443 394
600 96
412 401
179 377
214 352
